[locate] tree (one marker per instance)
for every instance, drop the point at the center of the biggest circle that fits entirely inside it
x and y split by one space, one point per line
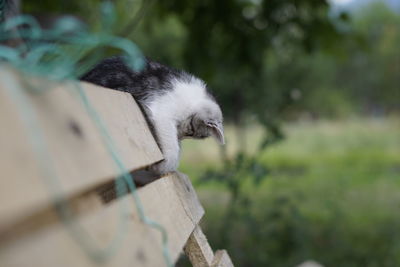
228 41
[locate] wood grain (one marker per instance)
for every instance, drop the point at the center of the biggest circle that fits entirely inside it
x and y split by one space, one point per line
198 250
75 147
140 245
222 259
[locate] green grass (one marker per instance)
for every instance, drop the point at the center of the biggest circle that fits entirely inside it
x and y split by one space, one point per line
332 194
369 147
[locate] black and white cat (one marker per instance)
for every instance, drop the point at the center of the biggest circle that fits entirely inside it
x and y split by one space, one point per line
177 104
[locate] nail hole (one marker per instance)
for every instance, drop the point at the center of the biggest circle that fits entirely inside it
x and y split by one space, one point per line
75 128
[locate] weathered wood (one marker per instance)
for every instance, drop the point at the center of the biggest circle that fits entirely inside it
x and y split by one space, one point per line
198 250
74 143
186 192
222 259
200 253
80 170
140 245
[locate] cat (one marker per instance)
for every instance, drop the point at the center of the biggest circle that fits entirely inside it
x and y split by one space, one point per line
176 104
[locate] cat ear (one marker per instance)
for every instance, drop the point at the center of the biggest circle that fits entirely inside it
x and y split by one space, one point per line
217 131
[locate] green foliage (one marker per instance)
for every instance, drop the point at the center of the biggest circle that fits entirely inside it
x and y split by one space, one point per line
267 59
227 42
360 76
375 71
330 194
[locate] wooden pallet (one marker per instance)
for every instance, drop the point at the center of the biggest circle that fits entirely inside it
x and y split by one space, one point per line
31 231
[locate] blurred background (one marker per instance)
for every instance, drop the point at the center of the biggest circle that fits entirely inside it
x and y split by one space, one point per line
310 90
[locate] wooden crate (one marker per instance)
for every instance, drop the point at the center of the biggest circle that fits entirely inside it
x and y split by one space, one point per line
31 230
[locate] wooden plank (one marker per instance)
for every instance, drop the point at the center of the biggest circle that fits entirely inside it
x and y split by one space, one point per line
198 250
189 197
222 259
200 253
76 149
140 245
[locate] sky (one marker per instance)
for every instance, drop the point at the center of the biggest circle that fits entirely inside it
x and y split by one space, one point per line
355 4
341 2
392 3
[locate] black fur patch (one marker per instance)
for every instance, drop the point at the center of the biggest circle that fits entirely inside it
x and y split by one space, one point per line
154 80
151 82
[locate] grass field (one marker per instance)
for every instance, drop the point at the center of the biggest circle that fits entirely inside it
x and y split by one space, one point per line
332 194
366 147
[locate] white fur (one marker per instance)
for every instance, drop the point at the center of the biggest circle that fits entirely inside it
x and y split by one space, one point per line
167 111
